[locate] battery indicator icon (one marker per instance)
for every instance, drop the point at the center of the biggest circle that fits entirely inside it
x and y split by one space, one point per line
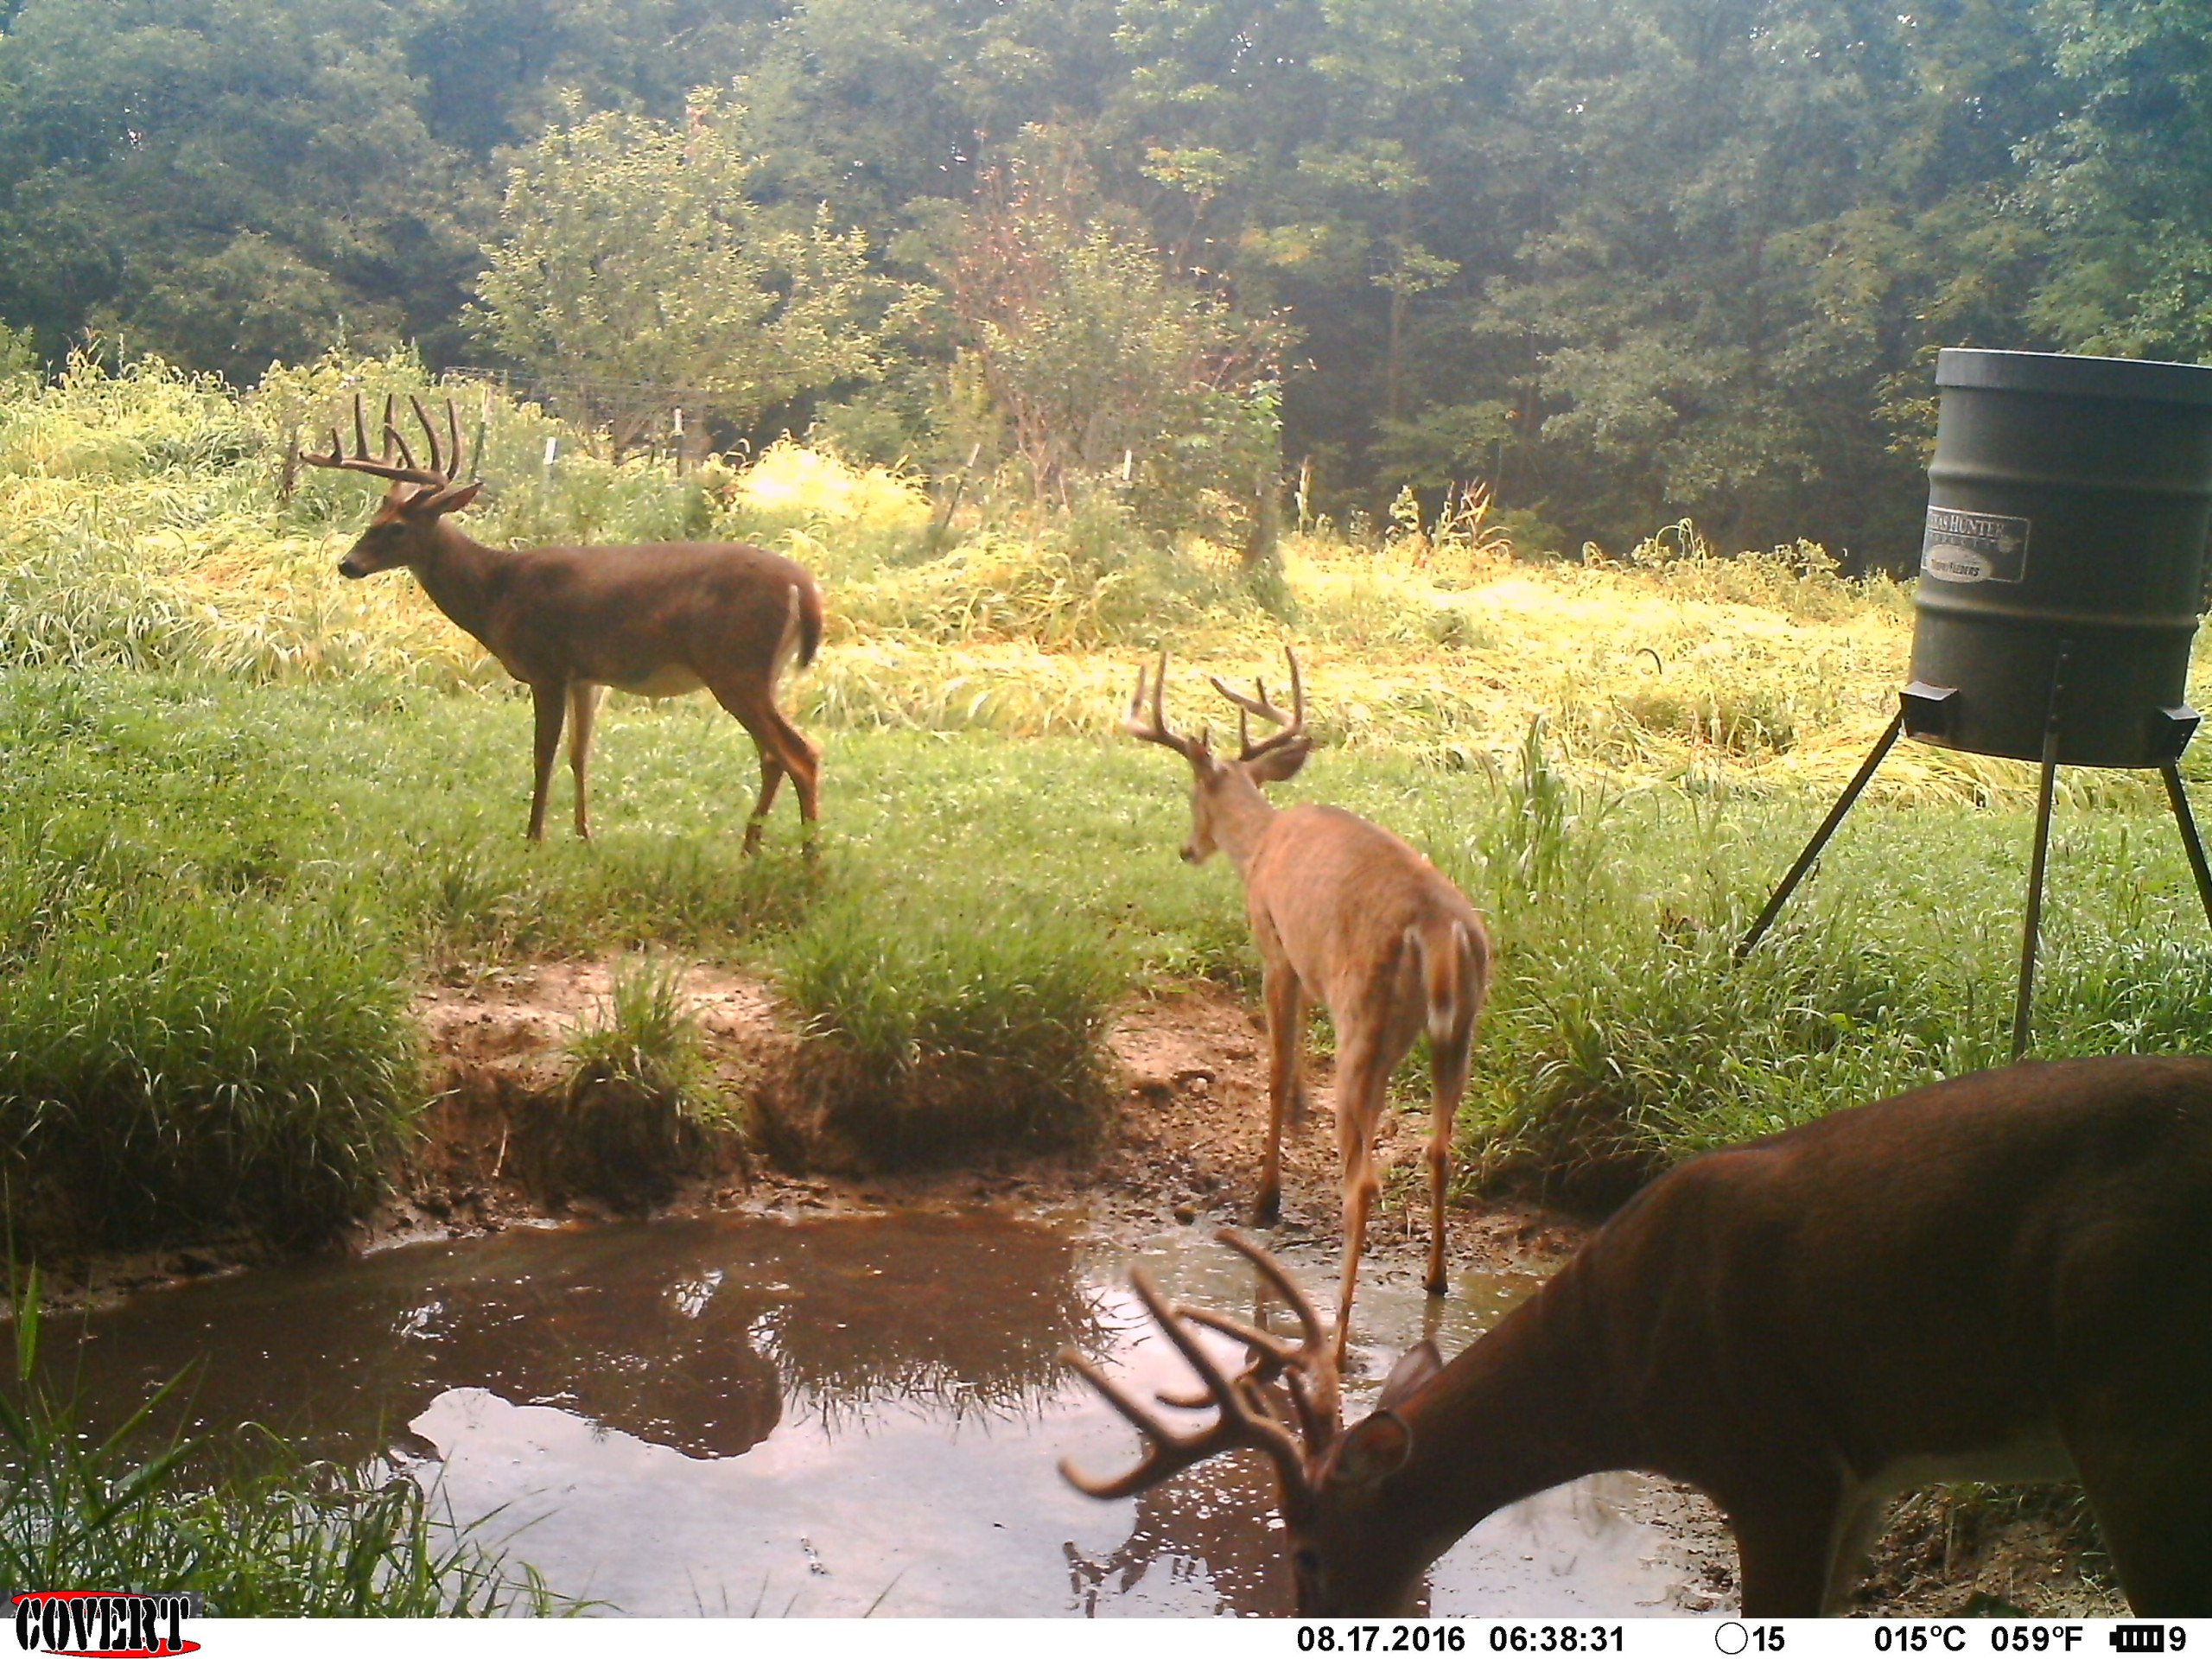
2139 1638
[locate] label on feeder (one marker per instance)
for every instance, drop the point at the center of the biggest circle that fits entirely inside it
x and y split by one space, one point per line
1974 546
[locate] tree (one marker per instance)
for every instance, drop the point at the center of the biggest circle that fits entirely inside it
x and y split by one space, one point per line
2122 178
1095 358
222 182
636 268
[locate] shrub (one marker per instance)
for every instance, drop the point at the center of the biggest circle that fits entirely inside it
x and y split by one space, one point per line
642 1106
969 1030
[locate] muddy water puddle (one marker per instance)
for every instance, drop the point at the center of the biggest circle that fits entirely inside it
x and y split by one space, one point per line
736 1415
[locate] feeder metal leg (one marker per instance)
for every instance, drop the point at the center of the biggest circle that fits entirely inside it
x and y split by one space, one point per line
1828 827
2027 997
2179 797
2025 1000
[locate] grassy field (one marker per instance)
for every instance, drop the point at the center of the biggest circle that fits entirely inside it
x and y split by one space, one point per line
247 804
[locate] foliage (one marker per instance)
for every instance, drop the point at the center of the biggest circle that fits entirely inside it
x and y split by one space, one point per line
635 266
224 182
247 1523
2120 178
1622 262
1092 363
642 1101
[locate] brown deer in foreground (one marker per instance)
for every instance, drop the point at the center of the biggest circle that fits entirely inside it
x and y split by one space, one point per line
659 621
2007 1276
1342 909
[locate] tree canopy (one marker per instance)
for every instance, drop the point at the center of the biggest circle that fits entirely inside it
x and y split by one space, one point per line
1623 260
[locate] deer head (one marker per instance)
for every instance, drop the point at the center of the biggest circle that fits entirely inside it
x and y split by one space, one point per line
1332 1482
419 496
1218 784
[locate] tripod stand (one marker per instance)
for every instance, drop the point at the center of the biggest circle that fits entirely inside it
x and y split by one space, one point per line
2176 797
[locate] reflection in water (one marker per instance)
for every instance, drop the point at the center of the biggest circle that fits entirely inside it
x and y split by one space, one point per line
734 1415
687 1334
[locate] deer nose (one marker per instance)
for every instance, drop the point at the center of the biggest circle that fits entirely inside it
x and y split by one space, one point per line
348 567
1190 854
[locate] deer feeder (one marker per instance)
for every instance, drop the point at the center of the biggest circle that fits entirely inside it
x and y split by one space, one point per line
2062 575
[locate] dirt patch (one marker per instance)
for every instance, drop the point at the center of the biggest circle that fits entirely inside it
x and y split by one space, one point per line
1183 1144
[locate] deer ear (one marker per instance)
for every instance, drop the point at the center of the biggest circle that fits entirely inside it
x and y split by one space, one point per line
1372 1451
451 498
1278 763
1411 1374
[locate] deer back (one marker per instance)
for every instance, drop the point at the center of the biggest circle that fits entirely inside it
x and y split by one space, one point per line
1341 893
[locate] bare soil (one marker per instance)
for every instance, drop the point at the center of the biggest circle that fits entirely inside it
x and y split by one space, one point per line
1183 1147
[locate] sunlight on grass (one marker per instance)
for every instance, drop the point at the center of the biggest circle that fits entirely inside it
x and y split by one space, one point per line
247 801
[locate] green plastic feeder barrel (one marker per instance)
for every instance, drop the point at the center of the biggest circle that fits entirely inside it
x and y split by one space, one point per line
2067 507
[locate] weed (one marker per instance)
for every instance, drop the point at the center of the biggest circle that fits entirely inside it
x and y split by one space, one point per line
642 1106
247 1523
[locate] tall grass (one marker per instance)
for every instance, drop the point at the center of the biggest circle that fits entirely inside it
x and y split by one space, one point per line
247 1523
642 1102
241 809
945 1031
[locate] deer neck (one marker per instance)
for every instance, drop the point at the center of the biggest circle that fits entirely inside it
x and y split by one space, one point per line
1241 817
459 573
1524 1410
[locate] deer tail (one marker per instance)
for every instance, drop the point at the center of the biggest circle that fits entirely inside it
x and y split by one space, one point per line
1445 952
806 610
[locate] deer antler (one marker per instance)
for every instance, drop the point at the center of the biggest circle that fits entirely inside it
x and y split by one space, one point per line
1248 1416
1154 728
1293 724
397 461
1307 1368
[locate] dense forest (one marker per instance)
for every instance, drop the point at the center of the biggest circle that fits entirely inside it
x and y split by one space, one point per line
1621 261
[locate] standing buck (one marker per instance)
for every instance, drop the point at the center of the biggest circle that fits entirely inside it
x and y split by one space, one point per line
2005 1277
659 621
1343 911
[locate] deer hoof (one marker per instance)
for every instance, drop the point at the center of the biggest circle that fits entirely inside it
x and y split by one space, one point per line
1435 1285
1266 1209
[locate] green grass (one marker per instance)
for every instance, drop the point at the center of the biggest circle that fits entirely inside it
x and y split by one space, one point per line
245 806
642 1106
211 896
944 1024
243 1521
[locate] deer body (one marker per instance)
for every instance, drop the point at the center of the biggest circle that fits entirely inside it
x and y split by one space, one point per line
660 619
1342 911
2007 1276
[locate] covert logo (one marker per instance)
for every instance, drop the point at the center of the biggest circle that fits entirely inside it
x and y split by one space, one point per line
104 1624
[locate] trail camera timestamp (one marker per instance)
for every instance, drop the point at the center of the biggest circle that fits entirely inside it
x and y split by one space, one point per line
1451 1638
1383 1638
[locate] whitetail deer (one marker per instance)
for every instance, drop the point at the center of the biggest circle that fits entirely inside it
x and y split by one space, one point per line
659 621
2007 1276
1342 909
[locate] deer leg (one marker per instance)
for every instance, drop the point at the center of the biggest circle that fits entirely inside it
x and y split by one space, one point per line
782 750
2147 1487
1361 1080
583 708
771 780
1448 1072
549 703
1286 1000
1786 1550
803 761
